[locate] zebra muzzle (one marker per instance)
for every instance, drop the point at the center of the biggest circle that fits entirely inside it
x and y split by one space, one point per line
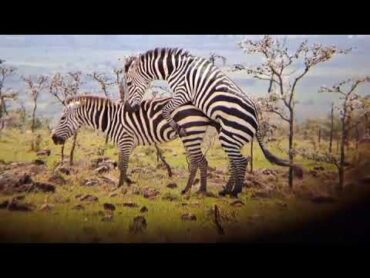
57 140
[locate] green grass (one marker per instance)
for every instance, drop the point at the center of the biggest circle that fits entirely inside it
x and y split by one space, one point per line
64 224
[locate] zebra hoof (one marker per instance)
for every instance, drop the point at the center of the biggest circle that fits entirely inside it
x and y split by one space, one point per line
184 191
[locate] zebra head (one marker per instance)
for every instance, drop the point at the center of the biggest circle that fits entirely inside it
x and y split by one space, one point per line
68 123
136 84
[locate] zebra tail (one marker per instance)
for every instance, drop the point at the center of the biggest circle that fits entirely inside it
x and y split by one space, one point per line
297 170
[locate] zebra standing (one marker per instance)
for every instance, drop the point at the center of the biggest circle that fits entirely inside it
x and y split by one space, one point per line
144 127
197 80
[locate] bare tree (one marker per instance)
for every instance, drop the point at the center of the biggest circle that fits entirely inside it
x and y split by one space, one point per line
35 86
351 102
120 82
62 87
5 72
284 70
213 57
104 82
331 128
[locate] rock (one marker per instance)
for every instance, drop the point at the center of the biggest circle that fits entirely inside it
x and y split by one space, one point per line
313 173
282 204
138 225
4 204
102 169
89 198
44 187
107 218
188 217
25 179
64 170
39 162
90 182
172 185
319 168
57 179
150 193
269 172
108 180
15 205
44 152
108 206
113 195
46 207
319 199
143 209
237 203
130 205
79 207
169 197
184 204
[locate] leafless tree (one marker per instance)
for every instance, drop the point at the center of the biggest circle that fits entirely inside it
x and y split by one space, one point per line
35 85
61 87
331 128
351 103
284 69
213 57
5 72
104 82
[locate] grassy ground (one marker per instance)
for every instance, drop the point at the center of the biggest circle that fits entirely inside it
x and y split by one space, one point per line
258 215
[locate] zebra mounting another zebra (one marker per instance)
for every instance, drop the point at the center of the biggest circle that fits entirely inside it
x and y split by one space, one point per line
196 80
129 129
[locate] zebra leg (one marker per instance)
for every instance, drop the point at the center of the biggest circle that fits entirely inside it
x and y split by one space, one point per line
203 165
193 146
174 103
240 166
193 168
237 163
124 156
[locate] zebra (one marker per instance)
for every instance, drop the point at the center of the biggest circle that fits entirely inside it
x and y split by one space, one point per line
196 80
129 129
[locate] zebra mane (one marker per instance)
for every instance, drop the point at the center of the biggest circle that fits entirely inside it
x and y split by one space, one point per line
169 50
82 99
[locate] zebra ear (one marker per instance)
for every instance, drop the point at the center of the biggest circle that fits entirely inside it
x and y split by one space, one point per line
130 61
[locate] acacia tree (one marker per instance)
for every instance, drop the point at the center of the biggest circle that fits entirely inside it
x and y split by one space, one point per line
104 82
351 103
213 57
62 87
284 69
5 94
35 85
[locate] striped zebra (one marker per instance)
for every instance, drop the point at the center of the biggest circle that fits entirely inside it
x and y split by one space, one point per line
196 80
128 129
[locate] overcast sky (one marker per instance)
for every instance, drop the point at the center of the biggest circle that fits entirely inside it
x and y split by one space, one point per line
34 54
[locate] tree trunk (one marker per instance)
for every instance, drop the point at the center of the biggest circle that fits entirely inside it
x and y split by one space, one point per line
252 155
342 153
33 116
331 128
62 154
73 149
291 137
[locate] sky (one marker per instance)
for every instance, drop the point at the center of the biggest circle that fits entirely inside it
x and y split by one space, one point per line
47 54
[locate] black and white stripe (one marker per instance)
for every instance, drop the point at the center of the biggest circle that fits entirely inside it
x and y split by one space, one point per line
143 127
197 80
